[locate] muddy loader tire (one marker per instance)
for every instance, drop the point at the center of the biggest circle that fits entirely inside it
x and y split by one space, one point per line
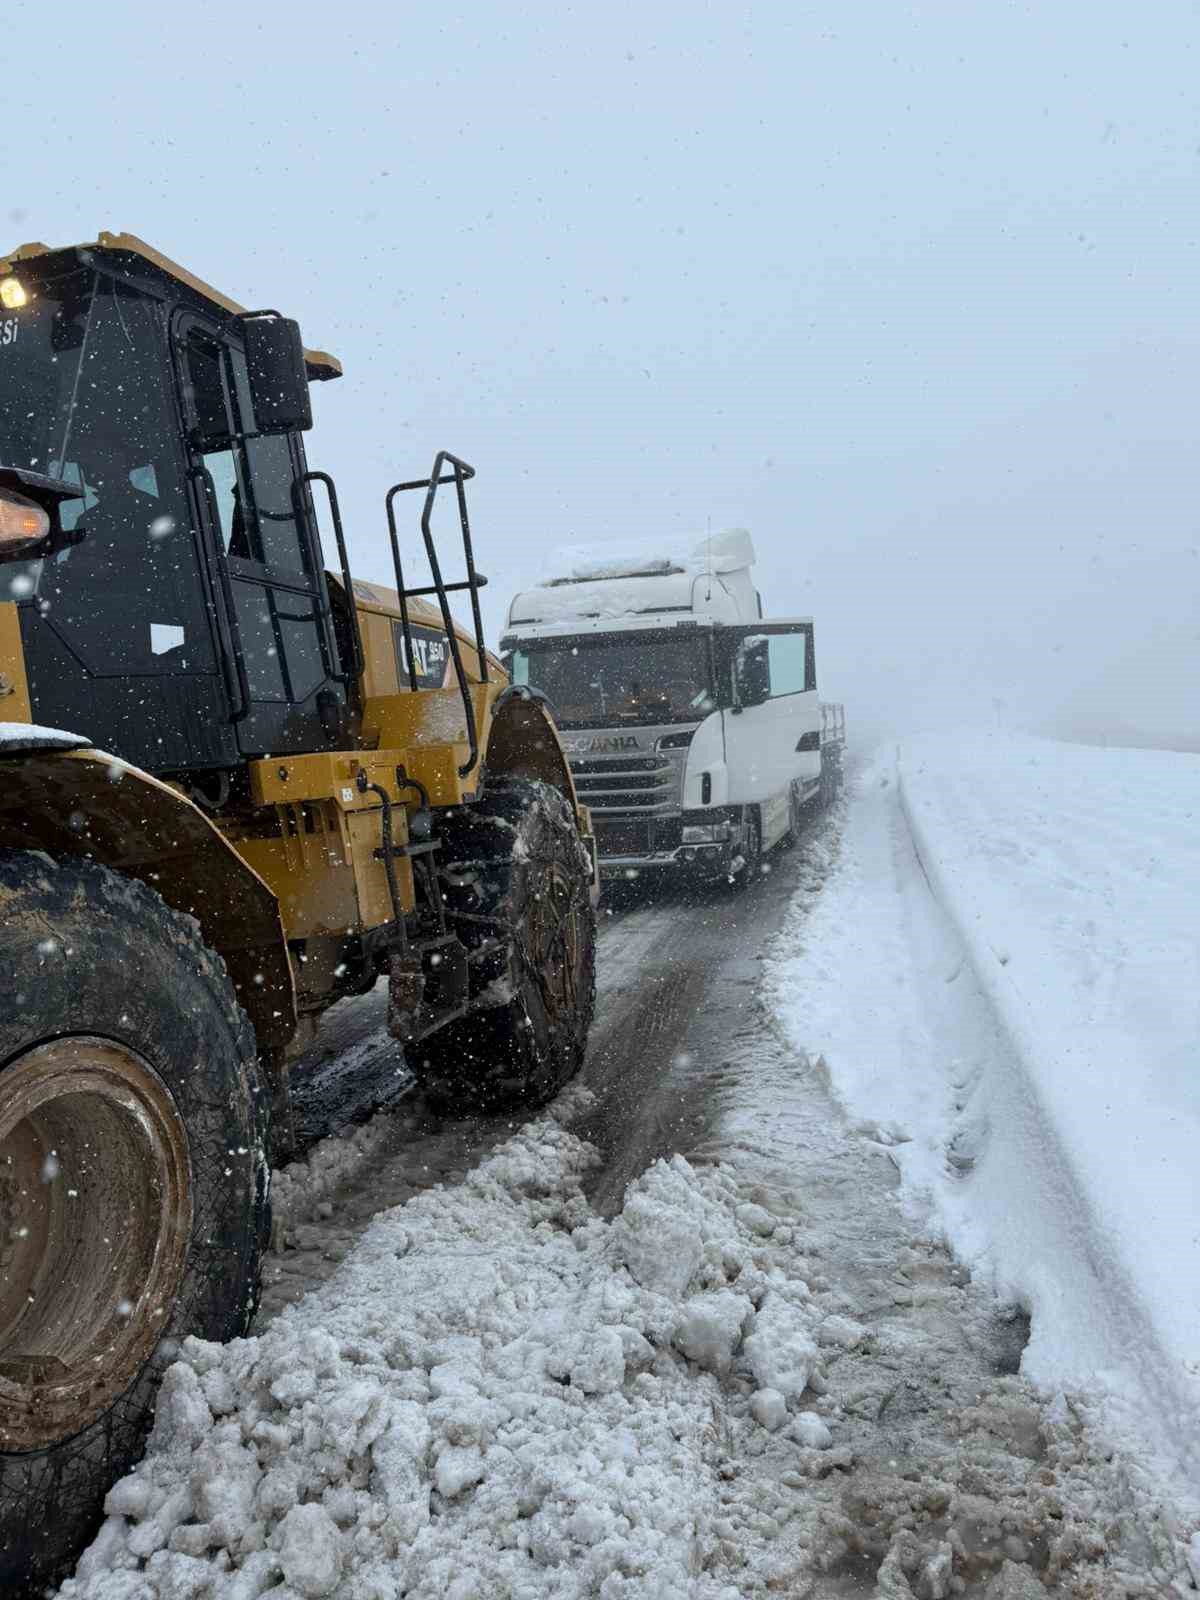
133 1187
516 880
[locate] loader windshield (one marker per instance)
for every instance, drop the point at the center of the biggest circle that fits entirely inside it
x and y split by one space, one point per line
86 396
659 676
41 348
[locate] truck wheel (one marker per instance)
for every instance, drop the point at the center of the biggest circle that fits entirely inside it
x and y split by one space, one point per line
133 1187
795 819
751 850
517 884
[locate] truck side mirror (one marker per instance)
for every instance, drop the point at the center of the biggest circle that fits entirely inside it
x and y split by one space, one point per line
275 369
752 668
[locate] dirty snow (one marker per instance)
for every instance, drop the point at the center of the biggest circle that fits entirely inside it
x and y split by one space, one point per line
1028 1062
303 1184
498 1393
763 1375
501 1394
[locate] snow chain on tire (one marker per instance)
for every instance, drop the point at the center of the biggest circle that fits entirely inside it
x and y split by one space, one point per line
128 1091
516 879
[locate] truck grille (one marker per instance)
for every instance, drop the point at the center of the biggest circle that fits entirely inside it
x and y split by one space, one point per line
636 836
640 783
634 802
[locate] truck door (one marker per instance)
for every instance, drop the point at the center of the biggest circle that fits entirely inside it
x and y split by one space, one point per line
772 719
284 691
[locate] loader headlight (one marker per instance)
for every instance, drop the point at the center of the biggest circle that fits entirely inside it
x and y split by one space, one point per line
23 524
12 294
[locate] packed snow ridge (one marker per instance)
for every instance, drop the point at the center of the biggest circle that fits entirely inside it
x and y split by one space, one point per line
1000 983
498 1393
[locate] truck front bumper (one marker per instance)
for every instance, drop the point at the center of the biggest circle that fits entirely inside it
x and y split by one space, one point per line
711 860
700 861
693 843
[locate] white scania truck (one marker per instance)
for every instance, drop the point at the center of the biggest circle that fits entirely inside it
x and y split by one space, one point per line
691 721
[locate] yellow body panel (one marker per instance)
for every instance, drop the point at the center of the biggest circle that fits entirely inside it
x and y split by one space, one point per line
14 685
327 775
311 839
379 623
322 863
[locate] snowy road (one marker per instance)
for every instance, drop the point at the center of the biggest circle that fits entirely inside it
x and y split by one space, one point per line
675 984
564 1368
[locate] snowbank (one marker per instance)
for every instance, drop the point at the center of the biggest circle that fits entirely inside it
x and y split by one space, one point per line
1023 1040
1073 877
497 1393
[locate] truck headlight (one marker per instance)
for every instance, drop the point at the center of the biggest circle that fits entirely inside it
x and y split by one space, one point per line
706 832
23 524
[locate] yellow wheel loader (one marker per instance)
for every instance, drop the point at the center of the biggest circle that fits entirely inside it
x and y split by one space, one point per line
234 788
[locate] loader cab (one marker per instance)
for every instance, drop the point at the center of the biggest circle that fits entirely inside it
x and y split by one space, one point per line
189 627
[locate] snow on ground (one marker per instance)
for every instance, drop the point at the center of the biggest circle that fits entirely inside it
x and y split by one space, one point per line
763 1375
1029 1060
497 1394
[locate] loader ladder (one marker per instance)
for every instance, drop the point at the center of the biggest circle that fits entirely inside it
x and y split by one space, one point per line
474 581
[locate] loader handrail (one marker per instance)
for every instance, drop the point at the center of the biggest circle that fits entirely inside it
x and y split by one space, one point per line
351 677
460 472
239 708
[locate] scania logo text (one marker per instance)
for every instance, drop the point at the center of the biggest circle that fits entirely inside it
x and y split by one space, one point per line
615 742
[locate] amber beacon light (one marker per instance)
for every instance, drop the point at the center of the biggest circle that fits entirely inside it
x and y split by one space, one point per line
22 523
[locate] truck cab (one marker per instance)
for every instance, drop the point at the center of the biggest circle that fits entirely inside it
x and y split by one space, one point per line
691 722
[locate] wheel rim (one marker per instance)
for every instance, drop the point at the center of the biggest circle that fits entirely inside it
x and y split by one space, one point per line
95 1220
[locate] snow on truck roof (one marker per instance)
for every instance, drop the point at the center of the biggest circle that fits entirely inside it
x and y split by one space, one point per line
616 596
625 581
722 552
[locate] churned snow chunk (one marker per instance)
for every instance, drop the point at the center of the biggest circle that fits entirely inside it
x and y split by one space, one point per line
130 1497
937 1573
1014 1582
768 1408
1194 1558
659 1243
458 1467
808 1429
181 1416
598 1365
310 1551
781 1351
712 1327
755 1219
841 1331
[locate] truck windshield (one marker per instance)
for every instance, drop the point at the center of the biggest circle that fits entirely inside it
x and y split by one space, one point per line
608 682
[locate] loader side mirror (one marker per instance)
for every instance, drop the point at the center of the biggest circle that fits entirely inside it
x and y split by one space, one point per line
276 373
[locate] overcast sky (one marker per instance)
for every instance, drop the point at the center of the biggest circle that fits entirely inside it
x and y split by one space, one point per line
909 291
